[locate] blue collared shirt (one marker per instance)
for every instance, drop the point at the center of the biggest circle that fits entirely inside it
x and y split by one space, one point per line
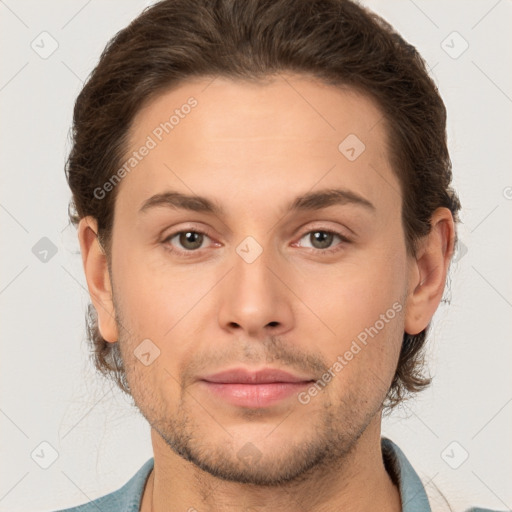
412 492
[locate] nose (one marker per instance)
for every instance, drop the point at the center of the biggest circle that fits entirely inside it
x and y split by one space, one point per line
256 300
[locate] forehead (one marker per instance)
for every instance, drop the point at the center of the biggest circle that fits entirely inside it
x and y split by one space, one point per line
210 135
244 110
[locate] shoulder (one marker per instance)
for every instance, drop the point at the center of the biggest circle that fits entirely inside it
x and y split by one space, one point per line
127 498
416 495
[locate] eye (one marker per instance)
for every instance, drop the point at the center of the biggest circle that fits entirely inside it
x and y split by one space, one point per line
321 240
189 240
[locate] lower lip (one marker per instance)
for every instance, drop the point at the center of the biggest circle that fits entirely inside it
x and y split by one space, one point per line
255 395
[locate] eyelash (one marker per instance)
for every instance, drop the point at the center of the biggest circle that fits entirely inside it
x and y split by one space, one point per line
192 253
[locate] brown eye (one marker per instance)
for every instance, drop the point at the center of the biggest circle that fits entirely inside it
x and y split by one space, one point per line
322 241
191 240
187 240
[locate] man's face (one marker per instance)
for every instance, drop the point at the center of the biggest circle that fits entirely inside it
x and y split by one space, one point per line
266 287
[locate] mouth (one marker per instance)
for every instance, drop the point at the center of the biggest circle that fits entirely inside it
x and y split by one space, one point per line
262 388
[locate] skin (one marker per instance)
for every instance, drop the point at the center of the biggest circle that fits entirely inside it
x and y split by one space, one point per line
254 148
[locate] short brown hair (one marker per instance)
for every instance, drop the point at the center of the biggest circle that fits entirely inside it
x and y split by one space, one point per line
336 41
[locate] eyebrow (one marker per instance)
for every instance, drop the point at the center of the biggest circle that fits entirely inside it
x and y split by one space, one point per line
309 201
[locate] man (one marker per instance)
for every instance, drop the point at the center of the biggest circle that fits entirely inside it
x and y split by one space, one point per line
263 201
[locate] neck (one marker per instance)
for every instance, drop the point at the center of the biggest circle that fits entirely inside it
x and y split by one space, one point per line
356 483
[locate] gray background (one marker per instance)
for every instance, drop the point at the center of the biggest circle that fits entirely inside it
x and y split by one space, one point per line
50 392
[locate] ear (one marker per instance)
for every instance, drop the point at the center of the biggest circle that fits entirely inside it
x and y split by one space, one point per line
98 279
428 271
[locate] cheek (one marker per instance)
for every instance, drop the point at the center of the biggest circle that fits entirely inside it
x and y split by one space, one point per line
154 296
362 306
364 351
350 297
167 307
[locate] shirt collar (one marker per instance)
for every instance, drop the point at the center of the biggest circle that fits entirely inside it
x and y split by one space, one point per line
412 492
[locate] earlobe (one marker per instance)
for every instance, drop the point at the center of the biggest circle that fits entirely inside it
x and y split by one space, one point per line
97 276
428 271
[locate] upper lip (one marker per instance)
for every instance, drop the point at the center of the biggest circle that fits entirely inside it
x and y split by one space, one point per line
244 376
